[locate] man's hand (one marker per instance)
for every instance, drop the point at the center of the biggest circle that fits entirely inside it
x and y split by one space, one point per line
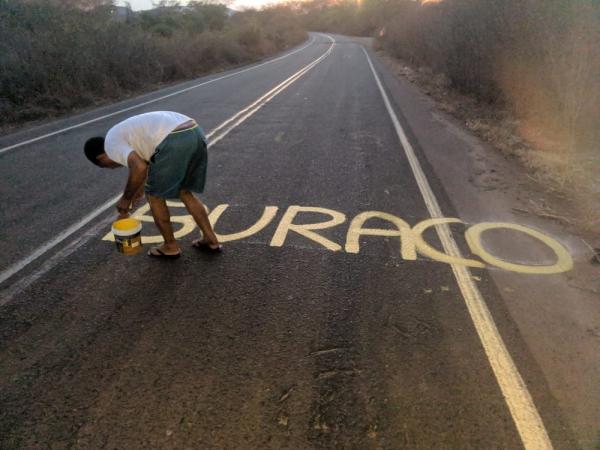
123 206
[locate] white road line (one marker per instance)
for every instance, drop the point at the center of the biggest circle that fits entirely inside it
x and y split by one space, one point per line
105 116
22 284
7 273
221 131
242 115
516 395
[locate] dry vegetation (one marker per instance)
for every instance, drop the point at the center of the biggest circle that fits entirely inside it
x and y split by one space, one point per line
59 55
523 74
527 71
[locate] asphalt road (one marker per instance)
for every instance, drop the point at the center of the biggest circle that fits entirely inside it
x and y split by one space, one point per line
281 341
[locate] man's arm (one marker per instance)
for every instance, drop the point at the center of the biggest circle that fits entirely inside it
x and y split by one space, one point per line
138 169
139 195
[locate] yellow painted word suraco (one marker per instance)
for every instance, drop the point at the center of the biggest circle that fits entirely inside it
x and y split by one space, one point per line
411 239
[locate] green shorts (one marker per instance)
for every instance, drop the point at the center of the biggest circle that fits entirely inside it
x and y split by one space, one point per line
179 163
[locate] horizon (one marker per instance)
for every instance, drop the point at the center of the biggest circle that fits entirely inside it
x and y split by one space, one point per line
140 5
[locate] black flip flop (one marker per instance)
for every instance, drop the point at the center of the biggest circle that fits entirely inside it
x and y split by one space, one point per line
162 254
205 246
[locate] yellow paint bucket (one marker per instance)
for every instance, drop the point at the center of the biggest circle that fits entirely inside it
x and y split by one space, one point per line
128 235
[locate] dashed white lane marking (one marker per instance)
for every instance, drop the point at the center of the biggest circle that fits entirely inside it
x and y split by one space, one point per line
219 133
154 100
524 413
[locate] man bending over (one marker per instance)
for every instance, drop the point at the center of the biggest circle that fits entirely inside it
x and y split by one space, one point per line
166 155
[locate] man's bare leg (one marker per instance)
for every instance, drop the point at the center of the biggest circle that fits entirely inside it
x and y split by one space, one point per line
198 212
162 219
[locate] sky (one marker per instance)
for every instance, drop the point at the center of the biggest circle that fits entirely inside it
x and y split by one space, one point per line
237 4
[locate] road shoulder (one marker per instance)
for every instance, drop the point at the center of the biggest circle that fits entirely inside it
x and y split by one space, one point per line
558 319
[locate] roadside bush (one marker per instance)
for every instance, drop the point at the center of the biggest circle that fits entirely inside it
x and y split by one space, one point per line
56 56
460 39
539 59
350 17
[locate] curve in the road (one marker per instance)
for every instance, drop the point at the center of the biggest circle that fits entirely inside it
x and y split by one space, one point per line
214 135
154 100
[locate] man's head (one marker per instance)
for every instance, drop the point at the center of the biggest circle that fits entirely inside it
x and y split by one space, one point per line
94 151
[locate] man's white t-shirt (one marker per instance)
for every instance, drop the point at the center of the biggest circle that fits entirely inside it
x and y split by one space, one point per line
140 134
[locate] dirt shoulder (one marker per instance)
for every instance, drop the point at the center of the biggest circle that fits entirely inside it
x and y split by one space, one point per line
483 166
563 189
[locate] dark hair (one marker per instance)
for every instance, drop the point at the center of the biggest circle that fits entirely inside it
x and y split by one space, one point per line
93 148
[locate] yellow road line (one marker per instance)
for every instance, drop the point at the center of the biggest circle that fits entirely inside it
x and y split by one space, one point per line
516 395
